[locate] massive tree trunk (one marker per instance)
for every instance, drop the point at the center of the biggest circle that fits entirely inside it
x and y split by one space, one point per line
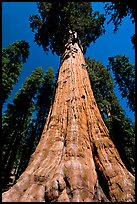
75 159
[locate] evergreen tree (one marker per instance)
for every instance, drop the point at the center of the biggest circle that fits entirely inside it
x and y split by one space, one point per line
119 125
124 75
16 120
13 58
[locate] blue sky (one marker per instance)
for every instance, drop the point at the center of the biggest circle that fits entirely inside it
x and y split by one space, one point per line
15 26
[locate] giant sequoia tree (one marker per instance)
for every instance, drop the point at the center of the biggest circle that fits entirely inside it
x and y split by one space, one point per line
75 159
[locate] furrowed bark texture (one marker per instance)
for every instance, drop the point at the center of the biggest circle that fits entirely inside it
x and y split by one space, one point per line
75 159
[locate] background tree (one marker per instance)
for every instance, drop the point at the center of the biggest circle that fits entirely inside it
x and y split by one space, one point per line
124 75
119 125
118 10
15 121
13 58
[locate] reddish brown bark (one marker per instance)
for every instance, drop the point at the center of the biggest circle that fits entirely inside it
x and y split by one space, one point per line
75 159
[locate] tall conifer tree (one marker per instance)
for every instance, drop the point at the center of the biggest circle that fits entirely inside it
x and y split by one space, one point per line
75 159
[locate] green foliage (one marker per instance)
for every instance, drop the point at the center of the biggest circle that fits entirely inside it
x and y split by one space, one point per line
124 75
12 59
120 9
16 120
120 127
52 26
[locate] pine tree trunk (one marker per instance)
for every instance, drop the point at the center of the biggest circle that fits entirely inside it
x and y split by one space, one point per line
75 159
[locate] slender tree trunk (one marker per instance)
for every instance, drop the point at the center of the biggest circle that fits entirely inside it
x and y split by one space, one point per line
75 159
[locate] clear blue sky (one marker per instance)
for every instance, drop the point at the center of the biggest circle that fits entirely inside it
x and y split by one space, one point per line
15 26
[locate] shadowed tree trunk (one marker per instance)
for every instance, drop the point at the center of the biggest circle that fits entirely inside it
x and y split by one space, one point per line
75 159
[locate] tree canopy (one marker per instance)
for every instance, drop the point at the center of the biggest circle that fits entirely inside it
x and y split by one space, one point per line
120 9
52 26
